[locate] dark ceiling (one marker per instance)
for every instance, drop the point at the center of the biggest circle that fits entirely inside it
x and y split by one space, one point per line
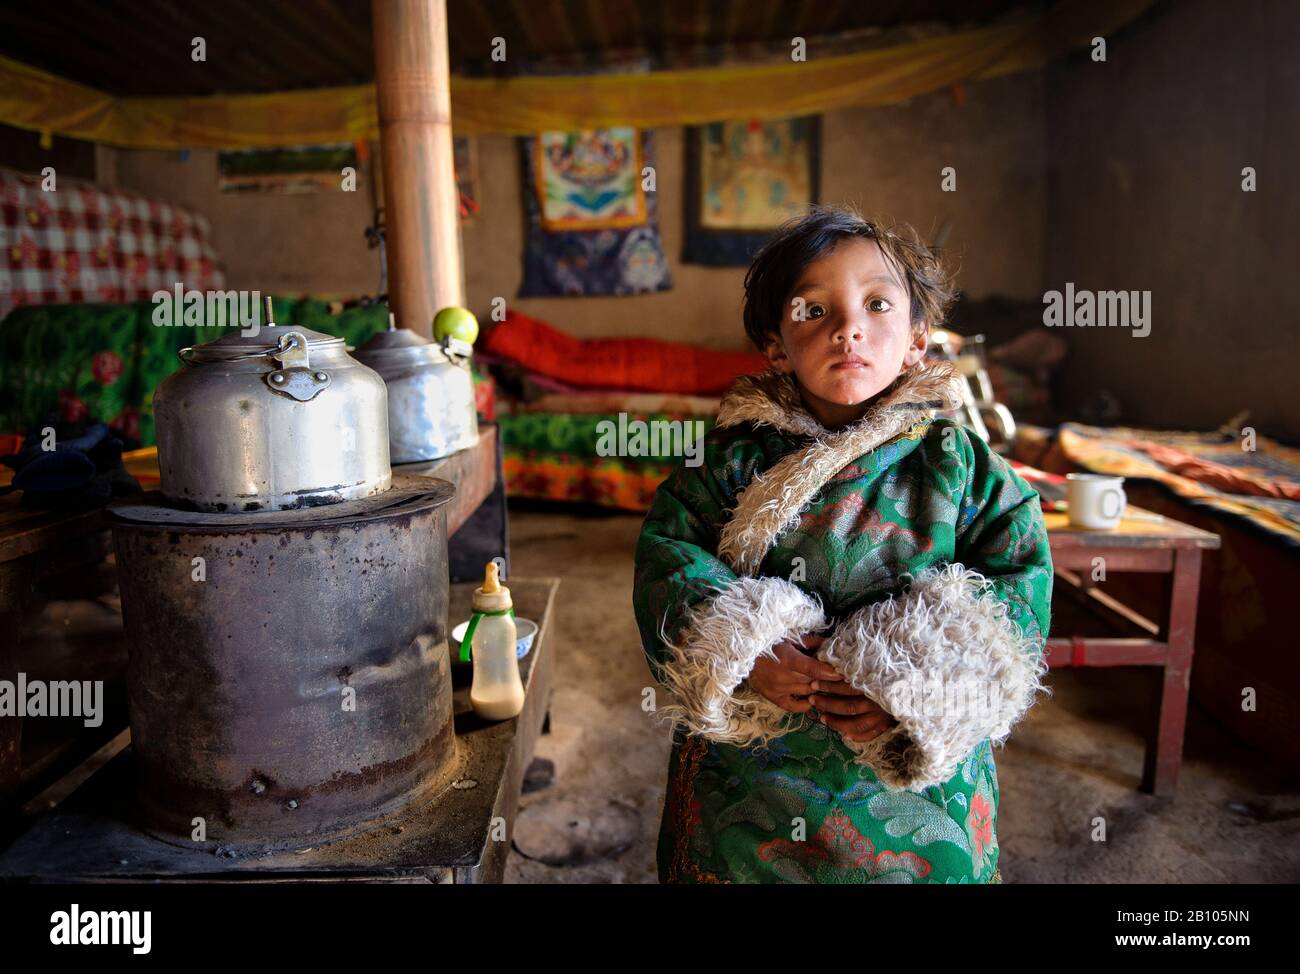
143 47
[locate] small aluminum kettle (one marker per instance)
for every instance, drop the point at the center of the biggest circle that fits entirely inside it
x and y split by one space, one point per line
274 421
431 408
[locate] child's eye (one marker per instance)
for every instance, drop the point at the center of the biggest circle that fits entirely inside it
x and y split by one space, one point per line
879 305
815 311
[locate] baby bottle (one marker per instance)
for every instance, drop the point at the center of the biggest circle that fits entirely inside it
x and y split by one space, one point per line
497 692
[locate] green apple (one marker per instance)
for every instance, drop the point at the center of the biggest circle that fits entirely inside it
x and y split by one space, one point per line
456 322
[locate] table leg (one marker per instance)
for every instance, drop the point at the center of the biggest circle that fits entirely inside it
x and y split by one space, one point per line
1164 753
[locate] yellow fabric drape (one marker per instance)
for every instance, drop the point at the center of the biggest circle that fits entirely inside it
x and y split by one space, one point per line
38 101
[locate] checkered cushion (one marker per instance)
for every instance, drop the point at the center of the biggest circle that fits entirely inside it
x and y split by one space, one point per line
80 244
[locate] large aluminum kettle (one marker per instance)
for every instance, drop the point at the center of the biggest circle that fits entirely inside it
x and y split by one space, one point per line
431 408
278 420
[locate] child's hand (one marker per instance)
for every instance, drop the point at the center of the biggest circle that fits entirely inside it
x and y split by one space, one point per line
790 679
846 710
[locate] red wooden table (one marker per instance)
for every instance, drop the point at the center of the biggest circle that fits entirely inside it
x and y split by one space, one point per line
1143 542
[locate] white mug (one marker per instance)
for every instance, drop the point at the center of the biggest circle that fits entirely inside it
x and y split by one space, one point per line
1095 500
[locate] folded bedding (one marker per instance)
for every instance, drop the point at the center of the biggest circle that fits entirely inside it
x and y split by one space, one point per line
632 364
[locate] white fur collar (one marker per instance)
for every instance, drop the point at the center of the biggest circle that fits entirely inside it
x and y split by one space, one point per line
770 505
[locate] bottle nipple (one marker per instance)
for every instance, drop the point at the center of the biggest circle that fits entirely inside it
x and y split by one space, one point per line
493 596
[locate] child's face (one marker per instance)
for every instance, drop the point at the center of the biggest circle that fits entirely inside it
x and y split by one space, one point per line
847 333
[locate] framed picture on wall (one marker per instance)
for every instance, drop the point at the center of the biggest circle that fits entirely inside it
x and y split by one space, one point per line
744 179
297 169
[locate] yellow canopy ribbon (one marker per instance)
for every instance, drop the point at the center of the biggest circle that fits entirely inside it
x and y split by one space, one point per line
36 100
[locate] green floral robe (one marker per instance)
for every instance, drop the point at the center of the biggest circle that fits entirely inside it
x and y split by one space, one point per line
797 808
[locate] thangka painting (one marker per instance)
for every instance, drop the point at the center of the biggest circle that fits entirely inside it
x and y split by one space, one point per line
593 224
589 180
744 179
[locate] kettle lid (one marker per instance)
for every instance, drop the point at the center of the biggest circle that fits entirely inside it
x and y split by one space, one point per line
394 338
268 336
268 339
399 345
265 339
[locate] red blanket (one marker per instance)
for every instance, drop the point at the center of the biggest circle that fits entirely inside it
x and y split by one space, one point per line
645 364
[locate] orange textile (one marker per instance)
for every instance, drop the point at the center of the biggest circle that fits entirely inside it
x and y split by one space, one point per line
644 364
1215 474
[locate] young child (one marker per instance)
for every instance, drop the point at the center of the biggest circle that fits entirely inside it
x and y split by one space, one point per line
848 598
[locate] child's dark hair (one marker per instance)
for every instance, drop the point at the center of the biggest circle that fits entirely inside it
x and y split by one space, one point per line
777 267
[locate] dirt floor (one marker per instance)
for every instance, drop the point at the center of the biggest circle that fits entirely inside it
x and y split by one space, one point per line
1077 758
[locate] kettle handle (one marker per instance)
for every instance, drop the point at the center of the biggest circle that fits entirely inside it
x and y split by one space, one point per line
185 355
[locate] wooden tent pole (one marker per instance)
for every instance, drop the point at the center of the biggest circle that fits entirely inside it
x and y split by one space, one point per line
413 86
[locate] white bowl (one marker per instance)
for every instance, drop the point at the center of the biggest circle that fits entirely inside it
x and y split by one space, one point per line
525 628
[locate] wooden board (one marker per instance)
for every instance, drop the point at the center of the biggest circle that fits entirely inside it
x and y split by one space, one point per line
473 471
1134 531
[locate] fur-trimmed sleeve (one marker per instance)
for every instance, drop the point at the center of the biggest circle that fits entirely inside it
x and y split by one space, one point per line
1001 533
702 626
957 657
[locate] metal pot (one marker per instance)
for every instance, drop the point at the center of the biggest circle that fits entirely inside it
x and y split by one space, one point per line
302 688
431 409
274 421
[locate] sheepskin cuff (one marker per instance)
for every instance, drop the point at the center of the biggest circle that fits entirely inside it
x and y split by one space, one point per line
725 636
948 663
